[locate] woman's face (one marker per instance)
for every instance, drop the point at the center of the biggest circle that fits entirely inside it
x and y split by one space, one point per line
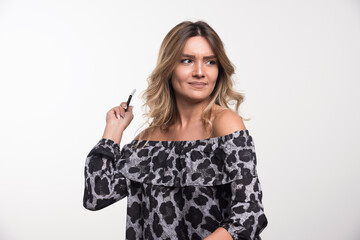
195 74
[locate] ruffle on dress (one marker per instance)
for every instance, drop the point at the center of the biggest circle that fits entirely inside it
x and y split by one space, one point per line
204 162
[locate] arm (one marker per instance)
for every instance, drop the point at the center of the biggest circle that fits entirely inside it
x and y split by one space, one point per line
103 184
218 234
247 218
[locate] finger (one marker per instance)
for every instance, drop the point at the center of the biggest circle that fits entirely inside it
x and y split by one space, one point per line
120 112
130 108
117 112
123 105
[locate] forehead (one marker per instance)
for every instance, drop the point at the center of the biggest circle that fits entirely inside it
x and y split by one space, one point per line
197 46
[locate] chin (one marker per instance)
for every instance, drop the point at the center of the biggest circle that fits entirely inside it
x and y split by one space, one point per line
199 98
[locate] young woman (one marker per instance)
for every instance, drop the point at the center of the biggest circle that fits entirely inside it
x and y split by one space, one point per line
191 174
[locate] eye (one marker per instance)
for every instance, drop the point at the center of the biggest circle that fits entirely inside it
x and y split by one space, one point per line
211 62
186 60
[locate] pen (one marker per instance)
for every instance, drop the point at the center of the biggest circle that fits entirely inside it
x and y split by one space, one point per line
129 99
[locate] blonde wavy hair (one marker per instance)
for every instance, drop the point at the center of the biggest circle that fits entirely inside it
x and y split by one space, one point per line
159 96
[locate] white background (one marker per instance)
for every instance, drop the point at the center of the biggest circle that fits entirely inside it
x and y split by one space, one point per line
64 64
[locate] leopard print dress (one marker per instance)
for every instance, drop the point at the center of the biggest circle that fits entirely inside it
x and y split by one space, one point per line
179 189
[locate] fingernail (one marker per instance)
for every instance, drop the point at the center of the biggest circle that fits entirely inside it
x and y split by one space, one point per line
118 116
124 105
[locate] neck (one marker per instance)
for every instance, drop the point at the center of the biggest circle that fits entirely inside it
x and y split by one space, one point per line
189 114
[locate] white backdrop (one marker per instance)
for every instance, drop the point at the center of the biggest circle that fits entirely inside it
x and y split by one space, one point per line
64 64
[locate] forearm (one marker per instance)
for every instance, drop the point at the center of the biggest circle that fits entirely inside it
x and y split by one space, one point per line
219 234
113 132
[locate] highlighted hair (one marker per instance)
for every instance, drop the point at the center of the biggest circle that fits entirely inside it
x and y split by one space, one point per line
159 96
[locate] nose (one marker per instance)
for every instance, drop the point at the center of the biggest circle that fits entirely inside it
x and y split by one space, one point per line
198 71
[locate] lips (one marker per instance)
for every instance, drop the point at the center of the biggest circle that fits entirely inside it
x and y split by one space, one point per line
198 83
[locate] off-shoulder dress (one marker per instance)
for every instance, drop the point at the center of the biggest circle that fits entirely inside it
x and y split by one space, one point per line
179 189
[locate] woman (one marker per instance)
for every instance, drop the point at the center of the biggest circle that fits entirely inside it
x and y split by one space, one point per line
194 176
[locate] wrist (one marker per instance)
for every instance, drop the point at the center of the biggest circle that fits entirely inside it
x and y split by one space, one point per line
113 133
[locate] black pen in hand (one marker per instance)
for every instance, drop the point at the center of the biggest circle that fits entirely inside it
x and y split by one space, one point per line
129 99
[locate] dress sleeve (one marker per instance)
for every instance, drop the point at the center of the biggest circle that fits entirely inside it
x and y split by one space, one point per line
247 218
104 184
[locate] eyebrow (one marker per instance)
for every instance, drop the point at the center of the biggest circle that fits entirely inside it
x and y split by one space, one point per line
205 57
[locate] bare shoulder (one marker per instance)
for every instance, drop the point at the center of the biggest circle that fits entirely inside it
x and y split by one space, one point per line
226 122
146 133
137 137
142 137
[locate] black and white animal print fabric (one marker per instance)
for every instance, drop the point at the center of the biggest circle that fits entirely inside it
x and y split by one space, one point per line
179 189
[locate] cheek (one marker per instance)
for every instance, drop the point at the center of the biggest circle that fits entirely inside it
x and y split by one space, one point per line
181 74
176 78
213 75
